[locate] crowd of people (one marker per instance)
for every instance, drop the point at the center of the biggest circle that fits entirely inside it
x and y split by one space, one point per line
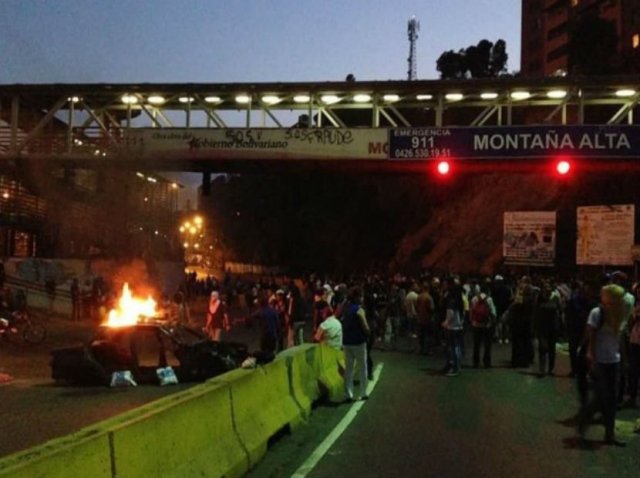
439 314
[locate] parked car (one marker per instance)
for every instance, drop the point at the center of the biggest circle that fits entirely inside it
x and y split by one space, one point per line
142 349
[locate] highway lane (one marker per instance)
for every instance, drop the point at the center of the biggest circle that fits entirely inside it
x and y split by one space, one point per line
34 409
483 423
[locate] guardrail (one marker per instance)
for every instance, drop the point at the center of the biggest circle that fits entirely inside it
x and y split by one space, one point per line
219 428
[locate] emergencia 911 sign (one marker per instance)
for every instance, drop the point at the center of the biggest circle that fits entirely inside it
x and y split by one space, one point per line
503 142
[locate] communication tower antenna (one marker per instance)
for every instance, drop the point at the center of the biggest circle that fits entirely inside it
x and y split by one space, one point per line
412 30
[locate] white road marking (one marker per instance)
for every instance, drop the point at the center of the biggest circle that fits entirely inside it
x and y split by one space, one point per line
328 442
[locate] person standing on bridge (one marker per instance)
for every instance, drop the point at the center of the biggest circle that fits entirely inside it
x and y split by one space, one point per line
355 332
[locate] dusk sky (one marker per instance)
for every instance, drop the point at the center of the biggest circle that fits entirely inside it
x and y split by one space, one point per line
122 41
169 41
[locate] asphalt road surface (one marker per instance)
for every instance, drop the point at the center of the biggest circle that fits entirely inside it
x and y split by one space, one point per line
497 422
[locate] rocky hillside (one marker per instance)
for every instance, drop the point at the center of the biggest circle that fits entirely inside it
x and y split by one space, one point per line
346 223
464 234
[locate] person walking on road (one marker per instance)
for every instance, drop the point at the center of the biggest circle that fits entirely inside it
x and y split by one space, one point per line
634 352
453 326
355 332
482 317
520 320
603 359
424 309
546 324
217 317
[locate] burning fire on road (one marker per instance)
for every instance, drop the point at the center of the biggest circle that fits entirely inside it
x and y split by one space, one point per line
131 310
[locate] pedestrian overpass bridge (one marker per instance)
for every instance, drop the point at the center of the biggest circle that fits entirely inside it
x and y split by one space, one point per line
240 127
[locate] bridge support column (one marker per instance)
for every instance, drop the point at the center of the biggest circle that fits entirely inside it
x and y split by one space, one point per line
206 184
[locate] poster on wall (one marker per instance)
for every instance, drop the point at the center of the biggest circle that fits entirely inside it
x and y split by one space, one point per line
605 235
529 238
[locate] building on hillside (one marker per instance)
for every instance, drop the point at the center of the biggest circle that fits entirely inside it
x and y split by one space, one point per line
546 30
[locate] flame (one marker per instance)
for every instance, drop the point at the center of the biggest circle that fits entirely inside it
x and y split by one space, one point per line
130 310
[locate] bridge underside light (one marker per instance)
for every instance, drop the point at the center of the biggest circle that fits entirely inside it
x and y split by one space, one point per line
330 99
185 99
556 94
156 100
129 99
212 99
625 93
301 99
424 97
391 98
243 99
489 95
520 95
271 99
362 98
454 96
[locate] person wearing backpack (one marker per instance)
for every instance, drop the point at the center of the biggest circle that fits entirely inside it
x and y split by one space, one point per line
482 317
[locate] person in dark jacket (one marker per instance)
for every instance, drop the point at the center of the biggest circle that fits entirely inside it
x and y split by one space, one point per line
355 332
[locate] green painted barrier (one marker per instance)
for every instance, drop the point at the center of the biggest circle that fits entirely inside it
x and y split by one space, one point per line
262 405
329 364
218 428
86 450
191 435
187 434
302 375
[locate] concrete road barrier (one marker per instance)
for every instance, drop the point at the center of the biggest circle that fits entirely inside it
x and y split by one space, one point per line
85 453
329 364
262 405
218 428
302 375
189 434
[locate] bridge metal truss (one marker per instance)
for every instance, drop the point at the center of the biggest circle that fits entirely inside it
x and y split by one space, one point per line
89 121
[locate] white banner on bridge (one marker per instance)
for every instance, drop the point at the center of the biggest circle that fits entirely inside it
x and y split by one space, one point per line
605 235
529 238
258 143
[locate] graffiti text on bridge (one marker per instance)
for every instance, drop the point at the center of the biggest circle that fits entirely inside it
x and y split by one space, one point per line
327 136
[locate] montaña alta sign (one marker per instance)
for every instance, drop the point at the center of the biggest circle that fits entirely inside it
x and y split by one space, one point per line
620 141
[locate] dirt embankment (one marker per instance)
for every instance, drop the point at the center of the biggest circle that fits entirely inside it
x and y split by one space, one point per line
464 233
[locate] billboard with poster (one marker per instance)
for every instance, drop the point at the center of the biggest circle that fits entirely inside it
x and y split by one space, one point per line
605 235
529 238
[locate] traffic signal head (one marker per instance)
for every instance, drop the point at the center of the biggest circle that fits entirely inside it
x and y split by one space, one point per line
443 168
563 167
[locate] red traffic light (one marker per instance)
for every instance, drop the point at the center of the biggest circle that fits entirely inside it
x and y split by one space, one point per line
563 167
443 168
